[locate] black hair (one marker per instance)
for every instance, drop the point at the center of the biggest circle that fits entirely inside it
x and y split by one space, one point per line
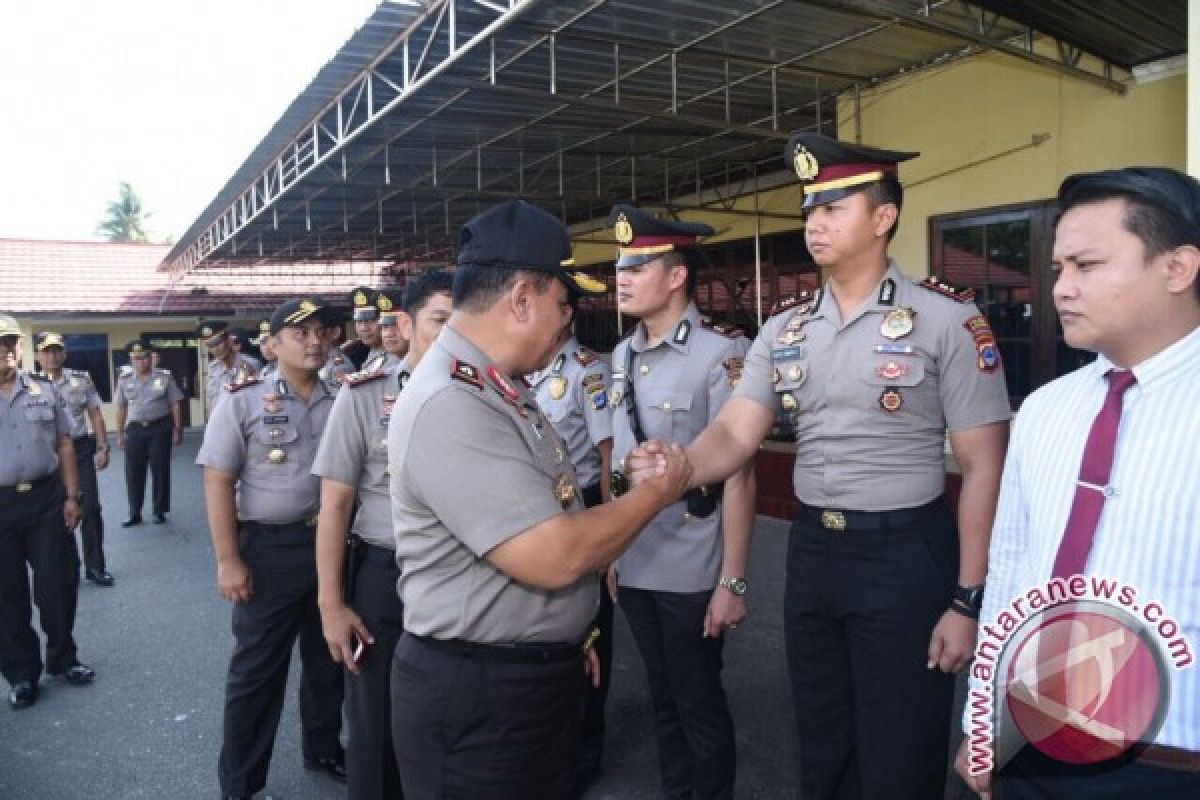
476 289
884 191
692 260
424 286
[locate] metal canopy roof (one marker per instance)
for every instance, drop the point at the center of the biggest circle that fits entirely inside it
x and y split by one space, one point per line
434 110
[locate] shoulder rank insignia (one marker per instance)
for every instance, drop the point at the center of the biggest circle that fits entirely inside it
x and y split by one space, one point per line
467 373
723 328
955 293
801 302
585 357
363 377
247 380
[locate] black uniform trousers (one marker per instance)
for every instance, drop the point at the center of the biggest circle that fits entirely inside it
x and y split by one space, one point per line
696 748
282 563
591 742
859 608
32 531
370 756
91 522
1034 776
148 444
478 722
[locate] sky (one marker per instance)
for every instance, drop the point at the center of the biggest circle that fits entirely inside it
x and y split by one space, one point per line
170 95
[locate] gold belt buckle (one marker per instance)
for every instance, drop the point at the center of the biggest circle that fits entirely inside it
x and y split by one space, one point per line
24 486
833 520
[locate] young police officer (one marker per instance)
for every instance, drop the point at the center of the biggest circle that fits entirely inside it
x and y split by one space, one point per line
497 557
77 391
262 502
149 422
226 366
683 582
879 607
37 516
365 610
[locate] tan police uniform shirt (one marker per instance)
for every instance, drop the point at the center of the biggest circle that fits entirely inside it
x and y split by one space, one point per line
354 450
219 376
31 419
147 398
473 463
573 393
79 394
871 409
679 385
267 436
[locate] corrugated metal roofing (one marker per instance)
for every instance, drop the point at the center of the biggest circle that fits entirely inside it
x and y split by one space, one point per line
467 102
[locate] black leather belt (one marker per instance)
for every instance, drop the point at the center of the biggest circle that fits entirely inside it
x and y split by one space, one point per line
840 520
271 527
28 486
380 556
522 653
145 423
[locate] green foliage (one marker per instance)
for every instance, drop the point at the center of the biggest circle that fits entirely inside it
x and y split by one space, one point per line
125 218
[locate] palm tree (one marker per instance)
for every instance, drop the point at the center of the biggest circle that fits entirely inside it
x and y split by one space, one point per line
124 218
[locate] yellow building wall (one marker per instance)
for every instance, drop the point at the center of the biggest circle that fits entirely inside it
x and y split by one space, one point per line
974 122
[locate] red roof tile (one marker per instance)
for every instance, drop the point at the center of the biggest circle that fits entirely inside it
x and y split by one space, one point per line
40 276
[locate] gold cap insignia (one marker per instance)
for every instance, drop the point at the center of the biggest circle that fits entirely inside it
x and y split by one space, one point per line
805 164
360 298
384 302
623 230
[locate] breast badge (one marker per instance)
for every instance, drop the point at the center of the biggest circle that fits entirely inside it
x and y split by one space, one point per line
558 387
897 323
890 400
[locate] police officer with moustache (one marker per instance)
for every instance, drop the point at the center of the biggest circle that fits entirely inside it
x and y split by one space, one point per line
498 559
39 507
364 610
262 503
226 366
149 422
573 394
266 346
77 391
883 583
683 582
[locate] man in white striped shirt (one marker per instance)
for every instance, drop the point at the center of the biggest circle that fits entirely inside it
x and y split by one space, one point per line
1127 254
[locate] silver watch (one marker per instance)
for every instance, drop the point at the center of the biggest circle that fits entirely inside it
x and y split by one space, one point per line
736 585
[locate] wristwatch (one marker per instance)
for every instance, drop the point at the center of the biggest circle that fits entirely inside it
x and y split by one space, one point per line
736 585
968 600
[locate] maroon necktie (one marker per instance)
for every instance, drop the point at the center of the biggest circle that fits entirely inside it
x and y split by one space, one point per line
1094 472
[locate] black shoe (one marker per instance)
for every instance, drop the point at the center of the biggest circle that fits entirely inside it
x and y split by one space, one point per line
334 767
160 519
100 577
136 519
77 674
23 695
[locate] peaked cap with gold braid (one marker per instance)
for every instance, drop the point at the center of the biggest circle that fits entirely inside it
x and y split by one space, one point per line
831 169
643 237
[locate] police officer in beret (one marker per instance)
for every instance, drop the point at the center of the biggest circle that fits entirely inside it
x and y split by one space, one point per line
683 582
498 558
883 581
75 388
266 346
573 394
262 504
39 507
357 584
149 422
226 366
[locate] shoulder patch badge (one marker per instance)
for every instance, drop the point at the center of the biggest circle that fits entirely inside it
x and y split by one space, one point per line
733 370
958 294
467 373
987 352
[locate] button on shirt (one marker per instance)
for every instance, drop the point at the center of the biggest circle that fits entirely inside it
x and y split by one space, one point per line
1148 536
851 452
354 450
147 397
679 385
267 436
471 469
574 396
79 394
31 419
